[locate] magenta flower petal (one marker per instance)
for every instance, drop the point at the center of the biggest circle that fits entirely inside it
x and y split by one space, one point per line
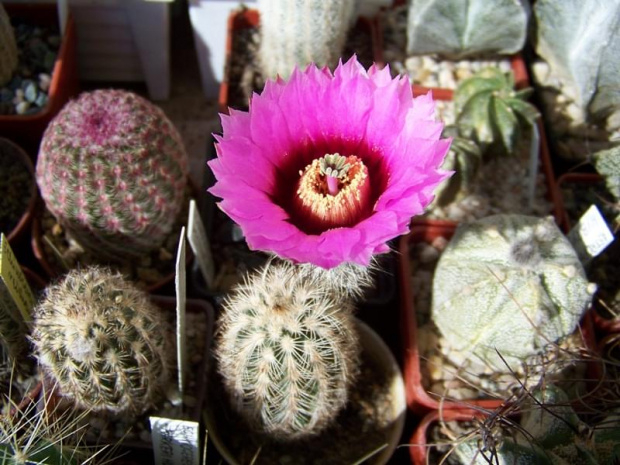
327 168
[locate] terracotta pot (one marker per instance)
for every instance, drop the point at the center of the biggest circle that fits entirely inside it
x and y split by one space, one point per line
52 271
27 130
218 419
419 444
22 228
418 398
250 19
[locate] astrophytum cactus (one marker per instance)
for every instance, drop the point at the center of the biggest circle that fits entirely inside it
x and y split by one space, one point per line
505 287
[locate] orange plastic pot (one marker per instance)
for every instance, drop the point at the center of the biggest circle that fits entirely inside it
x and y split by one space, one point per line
27 130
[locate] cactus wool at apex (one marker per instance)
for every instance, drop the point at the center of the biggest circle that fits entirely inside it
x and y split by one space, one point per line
113 171
287 351
102 342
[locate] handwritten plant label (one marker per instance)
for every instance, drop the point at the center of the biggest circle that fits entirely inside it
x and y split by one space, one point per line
175 442
16 297
591 235
199 241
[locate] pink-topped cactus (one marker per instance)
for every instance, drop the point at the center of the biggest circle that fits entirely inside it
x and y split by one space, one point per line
113 170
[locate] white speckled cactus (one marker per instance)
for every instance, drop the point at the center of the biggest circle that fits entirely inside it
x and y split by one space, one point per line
580 42
457 29
607 164
551 433
287 351
509 284
300 32
103 342
8 48
113 170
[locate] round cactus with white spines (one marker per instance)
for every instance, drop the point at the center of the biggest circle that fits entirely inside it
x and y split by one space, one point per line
102 342
287 351
113 170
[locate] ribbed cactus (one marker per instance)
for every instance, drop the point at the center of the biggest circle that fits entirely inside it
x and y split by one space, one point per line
457 29
509 284
300 32
550 433
464 158
491 112
113 170
287 351
102 341
8 48
607 164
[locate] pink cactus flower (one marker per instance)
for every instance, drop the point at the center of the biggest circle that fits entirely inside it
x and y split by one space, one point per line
327 168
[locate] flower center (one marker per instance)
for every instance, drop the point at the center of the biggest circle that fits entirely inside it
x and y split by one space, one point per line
333 191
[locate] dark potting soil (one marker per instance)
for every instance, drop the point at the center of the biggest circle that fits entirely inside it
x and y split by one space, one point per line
16 189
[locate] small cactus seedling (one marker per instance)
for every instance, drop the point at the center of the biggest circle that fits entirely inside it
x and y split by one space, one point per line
550 433
456 29
299 32
113 170
8 48
491 112
287 351
464 158
102 342
509 285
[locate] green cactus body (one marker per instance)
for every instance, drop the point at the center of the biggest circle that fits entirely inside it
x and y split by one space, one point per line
113 170
551 433
510 284
490 112
457 29
8 48
300 32
607 164
103 342
287 352
464 158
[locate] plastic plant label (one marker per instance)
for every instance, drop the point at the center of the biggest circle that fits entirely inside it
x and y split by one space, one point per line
199 241
534 161
591 235
16 297
180 282
175 442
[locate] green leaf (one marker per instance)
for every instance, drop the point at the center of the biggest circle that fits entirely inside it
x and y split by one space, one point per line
474 118
525 110
506 123
468 88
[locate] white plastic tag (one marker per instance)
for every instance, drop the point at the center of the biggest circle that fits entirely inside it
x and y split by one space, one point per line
199 242
591 235
175 442
180 282
16 297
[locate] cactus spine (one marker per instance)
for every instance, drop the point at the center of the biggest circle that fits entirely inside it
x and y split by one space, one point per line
8 48
287 351
491 112
113 170
102 341
300 32
509 284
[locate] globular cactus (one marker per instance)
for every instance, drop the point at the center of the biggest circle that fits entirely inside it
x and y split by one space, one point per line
456 29
550 433
287 351
579 40
464 158
112 169
505 287
8 48
607 164
491 112
300 32
103 343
